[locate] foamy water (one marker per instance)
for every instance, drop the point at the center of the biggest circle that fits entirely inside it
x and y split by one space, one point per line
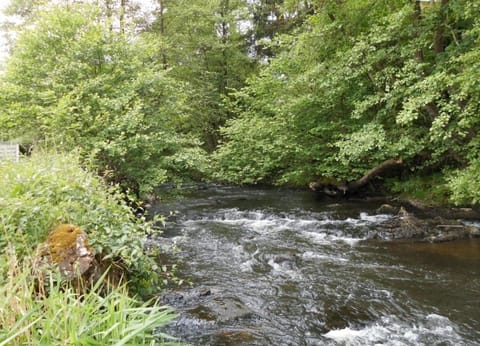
427 330
309 274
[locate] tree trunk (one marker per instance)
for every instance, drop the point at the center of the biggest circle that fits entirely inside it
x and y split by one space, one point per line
109 13
162 28
224 40
352 187
439 43
431 108
123 5
416 19
381 169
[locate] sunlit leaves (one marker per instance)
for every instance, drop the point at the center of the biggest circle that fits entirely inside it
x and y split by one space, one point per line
73 82
465 184
364 81
359 145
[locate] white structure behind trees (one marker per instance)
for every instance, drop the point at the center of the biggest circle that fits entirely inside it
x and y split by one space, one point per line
9 151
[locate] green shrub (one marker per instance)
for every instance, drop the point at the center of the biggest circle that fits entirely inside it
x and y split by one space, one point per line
73 81
50 188
431 189
465 185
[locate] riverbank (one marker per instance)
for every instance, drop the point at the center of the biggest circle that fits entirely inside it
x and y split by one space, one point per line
40 192
411 218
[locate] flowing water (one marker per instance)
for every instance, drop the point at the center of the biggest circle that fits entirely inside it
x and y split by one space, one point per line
277 267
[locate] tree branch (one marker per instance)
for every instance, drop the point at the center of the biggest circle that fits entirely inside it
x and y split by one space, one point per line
384 167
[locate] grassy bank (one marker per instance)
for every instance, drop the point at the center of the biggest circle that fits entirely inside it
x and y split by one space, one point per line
431 190
61 318
35 195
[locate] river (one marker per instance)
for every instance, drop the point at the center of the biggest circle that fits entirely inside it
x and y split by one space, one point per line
277 267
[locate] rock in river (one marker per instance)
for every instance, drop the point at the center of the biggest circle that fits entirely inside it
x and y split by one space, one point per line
405 225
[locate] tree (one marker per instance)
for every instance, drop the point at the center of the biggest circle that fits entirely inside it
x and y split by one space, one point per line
120 14
74 83
308 93
204 47
273 18
361 83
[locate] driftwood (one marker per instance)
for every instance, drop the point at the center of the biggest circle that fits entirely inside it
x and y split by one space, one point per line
352 187
384 167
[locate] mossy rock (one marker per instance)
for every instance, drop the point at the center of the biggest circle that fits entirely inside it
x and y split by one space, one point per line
67 248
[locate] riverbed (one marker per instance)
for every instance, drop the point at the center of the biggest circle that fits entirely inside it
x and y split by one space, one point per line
278 267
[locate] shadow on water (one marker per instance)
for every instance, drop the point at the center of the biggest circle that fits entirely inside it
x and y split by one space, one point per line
277 267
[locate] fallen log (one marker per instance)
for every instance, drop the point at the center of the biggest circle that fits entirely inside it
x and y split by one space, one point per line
352 187
385 167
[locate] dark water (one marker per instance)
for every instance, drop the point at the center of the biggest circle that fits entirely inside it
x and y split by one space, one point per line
277 267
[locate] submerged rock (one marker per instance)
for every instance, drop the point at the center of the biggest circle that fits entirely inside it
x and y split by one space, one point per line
387 209
207 316
203 304
234 337
228 309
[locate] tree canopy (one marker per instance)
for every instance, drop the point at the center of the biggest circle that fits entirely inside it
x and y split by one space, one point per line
73 83
278 92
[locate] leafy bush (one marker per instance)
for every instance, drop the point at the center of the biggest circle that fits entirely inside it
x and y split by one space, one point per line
465 184
73 82
255 152
361 82
430 189
50 188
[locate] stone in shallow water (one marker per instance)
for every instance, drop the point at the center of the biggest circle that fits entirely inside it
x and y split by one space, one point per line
405 225
387 209
234 337
227 309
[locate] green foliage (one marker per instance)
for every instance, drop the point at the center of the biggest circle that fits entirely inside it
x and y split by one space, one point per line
273 18
430 189
74 82
62 318
250 160
362 144
341 87
40 192
359 83
204 46
312 90
465 185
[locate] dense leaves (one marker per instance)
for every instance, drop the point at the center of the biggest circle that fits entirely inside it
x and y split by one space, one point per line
362 82
71 82
280 91
205 47
51 188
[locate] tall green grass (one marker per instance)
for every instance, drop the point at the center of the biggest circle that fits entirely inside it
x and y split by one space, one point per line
36 194
64 318
49 188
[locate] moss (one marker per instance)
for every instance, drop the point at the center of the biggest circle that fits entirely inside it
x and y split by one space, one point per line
63 240
67 248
